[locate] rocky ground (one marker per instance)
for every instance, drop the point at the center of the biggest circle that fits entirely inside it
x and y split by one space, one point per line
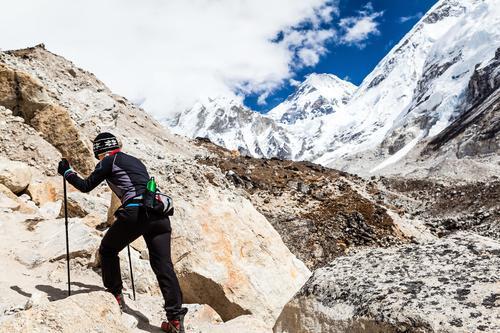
389 254
320 213
447 207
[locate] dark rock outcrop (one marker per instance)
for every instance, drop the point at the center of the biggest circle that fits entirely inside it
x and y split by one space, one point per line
476 132
447 285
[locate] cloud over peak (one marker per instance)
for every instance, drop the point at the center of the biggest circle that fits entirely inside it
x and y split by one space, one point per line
417 16
357 29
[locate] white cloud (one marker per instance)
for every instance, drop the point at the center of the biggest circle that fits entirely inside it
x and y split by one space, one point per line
262 100
357 29
170 53
417 16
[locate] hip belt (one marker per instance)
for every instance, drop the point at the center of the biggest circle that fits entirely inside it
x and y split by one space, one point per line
134 202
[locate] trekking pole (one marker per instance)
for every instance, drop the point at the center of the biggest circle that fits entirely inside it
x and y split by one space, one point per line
67 234
131 272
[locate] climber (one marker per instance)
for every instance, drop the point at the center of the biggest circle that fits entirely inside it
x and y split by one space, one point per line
127 177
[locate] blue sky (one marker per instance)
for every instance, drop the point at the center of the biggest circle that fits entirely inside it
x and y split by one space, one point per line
354 61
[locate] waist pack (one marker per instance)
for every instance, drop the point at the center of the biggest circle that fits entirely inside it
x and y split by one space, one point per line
158 203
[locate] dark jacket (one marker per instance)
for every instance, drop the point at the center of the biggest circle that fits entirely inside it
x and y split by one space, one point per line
126 175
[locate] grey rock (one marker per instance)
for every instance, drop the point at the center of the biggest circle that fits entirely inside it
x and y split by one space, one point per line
447 285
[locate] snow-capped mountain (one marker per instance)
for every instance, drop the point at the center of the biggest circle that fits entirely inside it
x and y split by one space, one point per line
280 133
476 131
415 92
422 75
228 123
318 95
422 86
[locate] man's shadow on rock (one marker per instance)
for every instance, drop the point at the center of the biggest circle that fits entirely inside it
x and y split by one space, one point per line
55 294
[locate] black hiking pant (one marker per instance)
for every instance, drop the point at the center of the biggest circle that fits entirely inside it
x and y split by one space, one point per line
131 223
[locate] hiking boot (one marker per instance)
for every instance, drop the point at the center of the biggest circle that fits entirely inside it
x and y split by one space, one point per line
120 300
174 326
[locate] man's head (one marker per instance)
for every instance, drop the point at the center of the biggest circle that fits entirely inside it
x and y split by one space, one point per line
103 143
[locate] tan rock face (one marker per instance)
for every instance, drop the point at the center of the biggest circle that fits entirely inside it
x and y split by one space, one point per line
50 242
26 96
21 142
31 97
42 192
14 175
92 312
93 220
228 256
64 136
8 95
8 203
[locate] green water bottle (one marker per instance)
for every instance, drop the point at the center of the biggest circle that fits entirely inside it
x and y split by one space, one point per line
151 186
149 195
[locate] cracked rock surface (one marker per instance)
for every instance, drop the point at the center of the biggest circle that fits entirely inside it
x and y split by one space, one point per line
446 285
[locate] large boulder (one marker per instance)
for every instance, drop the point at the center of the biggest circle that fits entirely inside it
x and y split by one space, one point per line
14 175
91 312
446 285
228 256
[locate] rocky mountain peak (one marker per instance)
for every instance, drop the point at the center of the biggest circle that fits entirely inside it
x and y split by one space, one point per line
415 92
447 8
318 95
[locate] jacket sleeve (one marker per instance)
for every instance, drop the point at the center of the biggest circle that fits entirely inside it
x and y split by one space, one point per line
101 172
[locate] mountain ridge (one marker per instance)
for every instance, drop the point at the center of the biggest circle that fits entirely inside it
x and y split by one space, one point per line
415 92
317 95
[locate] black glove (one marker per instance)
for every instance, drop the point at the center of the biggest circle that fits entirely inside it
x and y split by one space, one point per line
63 166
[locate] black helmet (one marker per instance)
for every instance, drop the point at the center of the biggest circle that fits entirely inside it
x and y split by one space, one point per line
104 142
